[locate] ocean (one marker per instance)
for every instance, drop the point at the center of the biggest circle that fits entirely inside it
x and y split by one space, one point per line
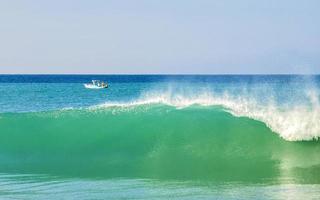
160 137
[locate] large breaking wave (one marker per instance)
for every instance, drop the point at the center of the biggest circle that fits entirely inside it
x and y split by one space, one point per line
294 122
153 141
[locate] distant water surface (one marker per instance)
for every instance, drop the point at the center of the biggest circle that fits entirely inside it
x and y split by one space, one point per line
160 137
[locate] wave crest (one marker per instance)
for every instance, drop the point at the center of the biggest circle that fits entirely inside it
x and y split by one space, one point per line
292 123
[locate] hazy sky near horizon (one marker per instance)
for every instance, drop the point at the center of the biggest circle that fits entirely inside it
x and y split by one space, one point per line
160 36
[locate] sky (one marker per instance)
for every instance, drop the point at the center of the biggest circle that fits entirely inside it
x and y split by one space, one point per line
160 36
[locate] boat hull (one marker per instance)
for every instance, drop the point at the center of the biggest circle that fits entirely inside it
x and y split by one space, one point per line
91 86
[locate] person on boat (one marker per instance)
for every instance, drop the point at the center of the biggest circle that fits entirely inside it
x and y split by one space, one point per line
104 85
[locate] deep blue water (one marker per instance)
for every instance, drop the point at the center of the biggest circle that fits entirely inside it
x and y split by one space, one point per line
153 78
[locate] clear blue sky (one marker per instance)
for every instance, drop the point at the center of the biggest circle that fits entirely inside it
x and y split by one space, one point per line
160 36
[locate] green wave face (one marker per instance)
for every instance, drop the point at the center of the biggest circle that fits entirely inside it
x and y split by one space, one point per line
157 141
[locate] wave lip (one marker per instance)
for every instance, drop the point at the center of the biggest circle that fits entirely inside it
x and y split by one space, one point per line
292 123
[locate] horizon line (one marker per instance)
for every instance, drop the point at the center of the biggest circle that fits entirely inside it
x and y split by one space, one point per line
168 74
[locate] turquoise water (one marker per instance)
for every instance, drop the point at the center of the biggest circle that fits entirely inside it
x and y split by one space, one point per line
160 137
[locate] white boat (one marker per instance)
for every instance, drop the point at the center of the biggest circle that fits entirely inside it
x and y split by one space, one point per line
96 84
